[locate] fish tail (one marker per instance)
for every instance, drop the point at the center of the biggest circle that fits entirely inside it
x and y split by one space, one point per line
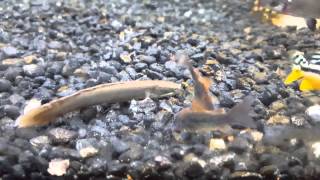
306 85
239 114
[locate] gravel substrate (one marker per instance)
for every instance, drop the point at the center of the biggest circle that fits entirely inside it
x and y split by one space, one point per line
52 49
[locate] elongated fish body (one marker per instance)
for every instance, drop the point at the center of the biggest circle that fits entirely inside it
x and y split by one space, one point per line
210 120
104 93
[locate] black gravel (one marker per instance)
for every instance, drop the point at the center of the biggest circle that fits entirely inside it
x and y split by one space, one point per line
50 49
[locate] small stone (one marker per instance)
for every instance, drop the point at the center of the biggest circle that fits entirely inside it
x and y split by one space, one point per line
191 157
33 70
226 100
134 153
118 169
58 167
278 119
194 170
96 166
316 149
297 172
124 76
10 51
88 152
132 72
17 100
260 77
11 111
269 95
173 67
144 106
198 56
239 145
154 74
61 135
29 59
55 45
40 141
12 72
163 162
298 120
147 59
257 135
269 170
5 85
26 133
314 113
88 113
157 67
217 144
116 24
140 66
125 57
118 145
242 175
277 106
18 171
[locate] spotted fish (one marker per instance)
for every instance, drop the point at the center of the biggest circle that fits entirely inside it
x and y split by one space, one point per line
306 70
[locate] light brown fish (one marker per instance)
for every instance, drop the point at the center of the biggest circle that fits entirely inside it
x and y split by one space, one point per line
104 93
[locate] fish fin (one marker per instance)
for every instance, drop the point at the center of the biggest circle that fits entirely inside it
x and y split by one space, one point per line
206 83
201 90
305 85
197 105
202 100
294 75
32 104
239 114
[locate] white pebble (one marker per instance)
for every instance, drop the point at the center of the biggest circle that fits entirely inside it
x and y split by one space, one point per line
314 113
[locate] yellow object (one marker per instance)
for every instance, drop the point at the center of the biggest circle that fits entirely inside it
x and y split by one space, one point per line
309 81
279 19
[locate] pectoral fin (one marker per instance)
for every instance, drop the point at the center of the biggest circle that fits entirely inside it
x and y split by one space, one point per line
293 76
306 85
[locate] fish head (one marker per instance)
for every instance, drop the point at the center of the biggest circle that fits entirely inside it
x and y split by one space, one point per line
295 74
